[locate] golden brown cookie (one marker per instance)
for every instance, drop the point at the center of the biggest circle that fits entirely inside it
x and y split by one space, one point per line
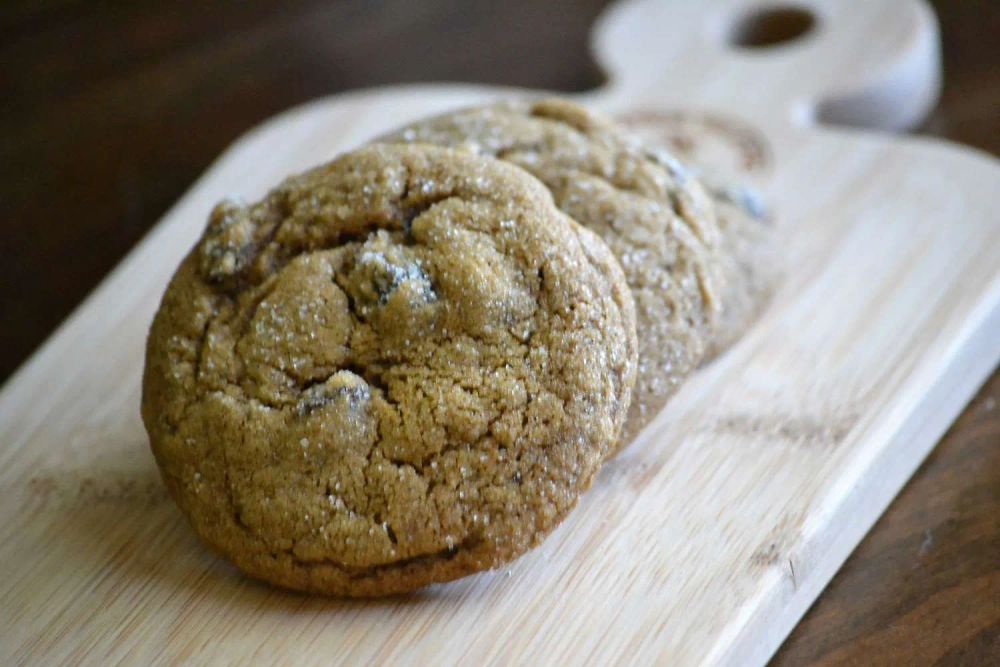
658 222
398 368
748 261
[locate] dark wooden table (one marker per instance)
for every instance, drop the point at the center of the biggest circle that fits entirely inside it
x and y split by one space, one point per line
110 110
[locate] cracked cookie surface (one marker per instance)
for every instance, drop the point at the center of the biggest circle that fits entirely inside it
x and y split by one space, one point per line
398 368
658 221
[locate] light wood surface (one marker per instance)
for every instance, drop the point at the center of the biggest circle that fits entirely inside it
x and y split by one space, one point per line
709 536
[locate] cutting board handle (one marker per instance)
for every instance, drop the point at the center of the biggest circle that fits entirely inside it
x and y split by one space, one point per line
872 64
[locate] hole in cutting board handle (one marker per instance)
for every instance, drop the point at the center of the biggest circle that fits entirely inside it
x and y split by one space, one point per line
771 26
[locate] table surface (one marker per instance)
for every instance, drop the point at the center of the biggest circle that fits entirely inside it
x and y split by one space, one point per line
109 113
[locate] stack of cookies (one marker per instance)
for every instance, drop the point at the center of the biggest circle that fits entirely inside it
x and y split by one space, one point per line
406 365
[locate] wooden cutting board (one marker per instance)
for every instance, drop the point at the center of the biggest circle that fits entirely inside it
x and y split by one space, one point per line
706 540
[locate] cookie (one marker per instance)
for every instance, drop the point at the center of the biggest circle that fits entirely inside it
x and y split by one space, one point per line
722 152
658 221
749 262
398 368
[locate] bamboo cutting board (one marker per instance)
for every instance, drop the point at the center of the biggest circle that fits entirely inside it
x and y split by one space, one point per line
708 537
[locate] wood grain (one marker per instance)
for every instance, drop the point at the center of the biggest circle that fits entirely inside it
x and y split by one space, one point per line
924 586
933 560
85 136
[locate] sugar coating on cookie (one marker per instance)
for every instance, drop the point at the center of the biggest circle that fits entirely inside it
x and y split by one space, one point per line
656 218
398 368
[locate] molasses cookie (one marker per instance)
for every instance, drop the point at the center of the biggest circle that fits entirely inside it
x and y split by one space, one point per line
657 220
398 368
748 261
